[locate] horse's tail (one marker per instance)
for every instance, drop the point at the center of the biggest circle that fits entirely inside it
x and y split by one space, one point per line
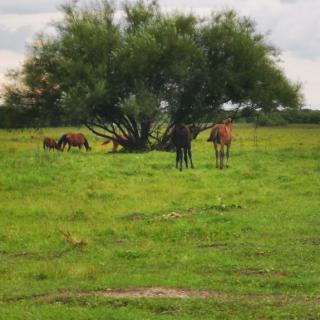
105 142
61 140
214 135
86 144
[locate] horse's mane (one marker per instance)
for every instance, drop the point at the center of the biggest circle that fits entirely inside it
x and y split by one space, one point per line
61 140
181 135
86 144
214 135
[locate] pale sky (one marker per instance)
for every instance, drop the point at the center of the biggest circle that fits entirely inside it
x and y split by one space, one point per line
293 26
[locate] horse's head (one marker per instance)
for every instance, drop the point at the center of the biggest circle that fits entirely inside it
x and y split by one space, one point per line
228 121
57 147
194 130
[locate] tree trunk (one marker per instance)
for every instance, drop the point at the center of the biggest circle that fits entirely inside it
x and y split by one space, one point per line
137 137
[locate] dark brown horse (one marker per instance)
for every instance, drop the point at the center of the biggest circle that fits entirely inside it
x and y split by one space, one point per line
115 141
73 140
221 134
49 143
181 138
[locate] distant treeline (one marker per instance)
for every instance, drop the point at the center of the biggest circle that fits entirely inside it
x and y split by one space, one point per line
17 118
280 118
273 118
14 118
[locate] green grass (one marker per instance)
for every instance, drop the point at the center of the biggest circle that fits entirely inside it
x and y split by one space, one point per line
88 221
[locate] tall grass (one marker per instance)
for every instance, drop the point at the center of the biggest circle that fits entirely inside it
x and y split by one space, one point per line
92 220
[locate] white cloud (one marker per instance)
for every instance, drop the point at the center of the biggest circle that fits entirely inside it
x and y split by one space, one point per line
294 26
17 30
29 6
35 22
2 78
306 72
11 59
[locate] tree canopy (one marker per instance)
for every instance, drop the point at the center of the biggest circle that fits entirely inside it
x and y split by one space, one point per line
138 73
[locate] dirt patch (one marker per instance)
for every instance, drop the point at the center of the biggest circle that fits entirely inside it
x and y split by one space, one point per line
172 215
134 216
154 292
64 296
214 245
118 293
261 253
315 242
36 255
251 271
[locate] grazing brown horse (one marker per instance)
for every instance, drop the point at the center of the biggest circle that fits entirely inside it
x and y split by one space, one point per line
115 141
49 143
221 134
181 138
73 140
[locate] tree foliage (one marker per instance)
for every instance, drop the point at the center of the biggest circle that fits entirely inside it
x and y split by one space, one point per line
139 74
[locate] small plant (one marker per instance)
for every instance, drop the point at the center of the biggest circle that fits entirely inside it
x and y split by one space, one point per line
78 215
40 276
72 241
128 254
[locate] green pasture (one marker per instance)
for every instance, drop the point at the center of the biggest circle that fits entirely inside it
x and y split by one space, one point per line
84 221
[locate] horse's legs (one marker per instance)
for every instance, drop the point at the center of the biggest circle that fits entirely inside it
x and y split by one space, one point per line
185 155
190 157
221 156
69 146
216 153
177 157
180 158
115 146
227 154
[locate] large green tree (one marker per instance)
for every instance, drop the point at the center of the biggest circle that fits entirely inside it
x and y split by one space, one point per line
138 74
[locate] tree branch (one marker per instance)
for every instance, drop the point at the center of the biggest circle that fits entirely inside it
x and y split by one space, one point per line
97 132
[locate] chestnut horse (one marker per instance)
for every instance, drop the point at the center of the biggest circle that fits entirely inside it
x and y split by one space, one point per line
181 138
115 141
73 140
49 143
221 134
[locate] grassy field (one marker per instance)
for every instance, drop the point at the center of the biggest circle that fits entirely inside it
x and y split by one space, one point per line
74 224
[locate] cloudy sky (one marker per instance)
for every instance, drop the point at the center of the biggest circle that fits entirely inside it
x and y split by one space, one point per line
291 25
